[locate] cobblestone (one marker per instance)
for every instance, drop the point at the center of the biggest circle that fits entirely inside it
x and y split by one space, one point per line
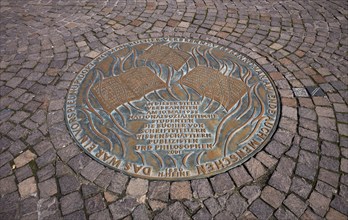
71 202
295 204
283 213
340 204
5 170
48 188
286 166
104 178
329 177
325 189
255 168
276 149
45 173
280 181
23 173
92 170
101 215
8 185
202 214
301 173
157 205
251 193
306 171
180 191
28 207
76 215
236 205
201 188
141 213
261 210
94 204
240 176
159 190
272 196
118 183
333 214
24 158
68 184
319 203
27 188
122 208
137 187
222 183
89 190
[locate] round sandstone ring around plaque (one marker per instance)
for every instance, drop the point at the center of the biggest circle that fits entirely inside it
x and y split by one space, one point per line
172 108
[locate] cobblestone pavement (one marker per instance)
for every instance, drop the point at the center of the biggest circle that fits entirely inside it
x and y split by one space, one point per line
302 173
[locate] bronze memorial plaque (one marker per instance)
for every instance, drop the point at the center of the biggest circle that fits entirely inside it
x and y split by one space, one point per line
172 108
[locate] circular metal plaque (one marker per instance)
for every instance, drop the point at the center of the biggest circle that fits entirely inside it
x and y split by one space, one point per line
172 108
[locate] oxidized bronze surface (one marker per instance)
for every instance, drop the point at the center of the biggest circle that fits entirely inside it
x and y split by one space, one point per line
172 108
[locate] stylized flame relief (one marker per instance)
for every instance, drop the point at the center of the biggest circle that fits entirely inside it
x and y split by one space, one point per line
172 108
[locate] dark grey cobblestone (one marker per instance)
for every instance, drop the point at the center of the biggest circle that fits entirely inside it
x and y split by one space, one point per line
122 208
251 192
222 183
159 190
261 210
302 173
283 213
236 205
201 189
295 204
95 204
68 184
202 214
101 215
71 202
272 196
89 190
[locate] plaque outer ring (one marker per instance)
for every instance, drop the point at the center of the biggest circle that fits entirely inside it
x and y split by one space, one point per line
211 174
